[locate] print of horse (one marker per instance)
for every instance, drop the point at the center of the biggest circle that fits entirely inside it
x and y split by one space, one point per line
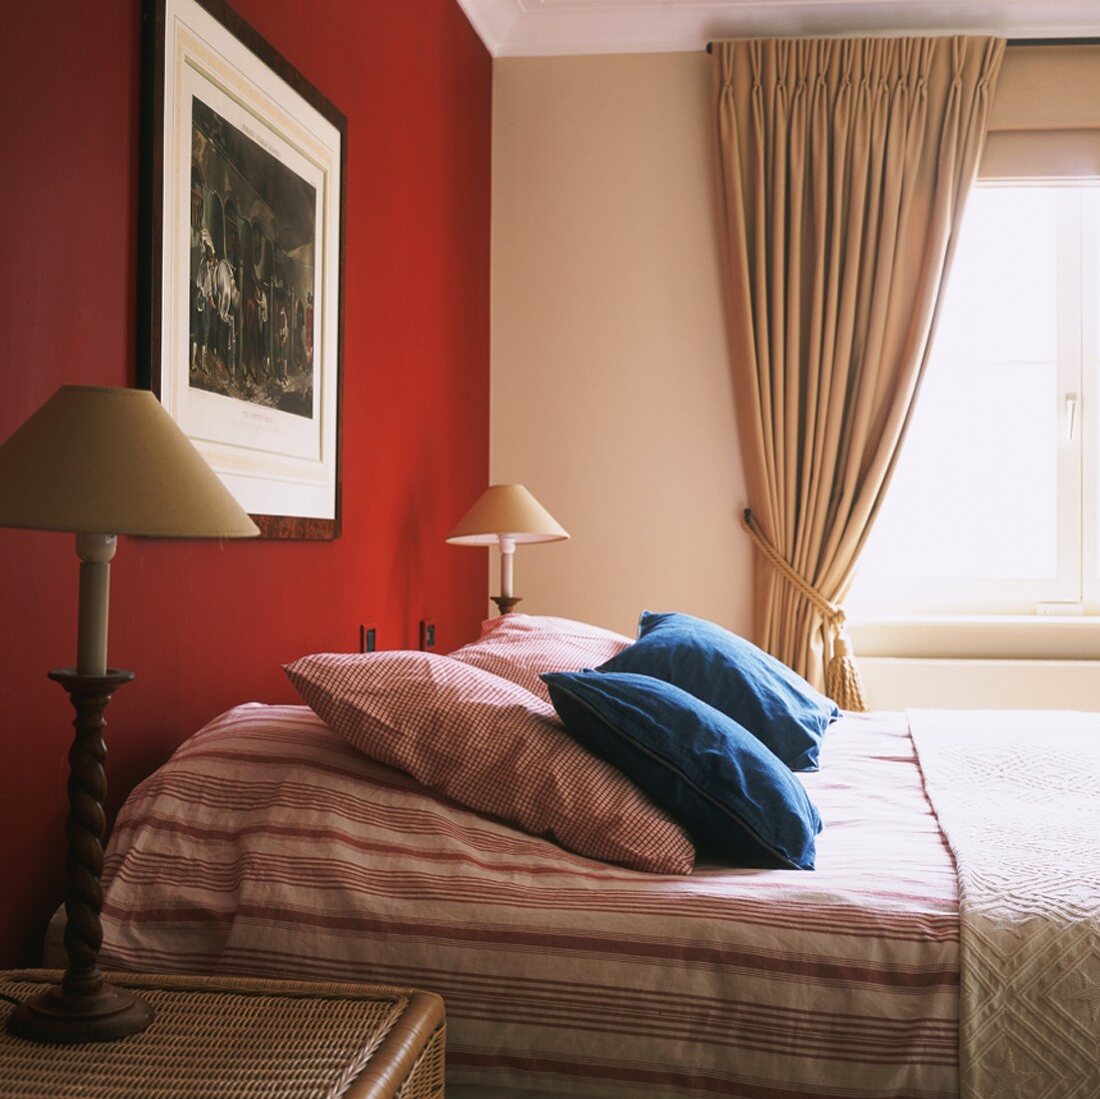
227 302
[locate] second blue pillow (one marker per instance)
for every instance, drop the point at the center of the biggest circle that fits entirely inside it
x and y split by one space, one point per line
759 692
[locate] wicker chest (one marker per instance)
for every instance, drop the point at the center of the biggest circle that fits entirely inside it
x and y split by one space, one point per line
240 1039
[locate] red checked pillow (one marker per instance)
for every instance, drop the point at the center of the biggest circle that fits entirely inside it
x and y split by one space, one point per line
520 647
491 746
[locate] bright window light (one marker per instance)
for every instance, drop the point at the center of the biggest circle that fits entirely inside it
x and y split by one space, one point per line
986 510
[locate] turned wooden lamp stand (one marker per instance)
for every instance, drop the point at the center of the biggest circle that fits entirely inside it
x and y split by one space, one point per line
97 459
84 1007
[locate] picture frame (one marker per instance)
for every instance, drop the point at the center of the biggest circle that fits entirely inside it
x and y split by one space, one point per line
241 231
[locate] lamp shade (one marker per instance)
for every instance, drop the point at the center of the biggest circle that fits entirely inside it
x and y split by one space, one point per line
506 511
96 460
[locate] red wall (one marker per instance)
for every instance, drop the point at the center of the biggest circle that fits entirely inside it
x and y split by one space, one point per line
207 625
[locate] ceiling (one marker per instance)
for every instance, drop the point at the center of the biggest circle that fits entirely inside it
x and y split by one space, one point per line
531 28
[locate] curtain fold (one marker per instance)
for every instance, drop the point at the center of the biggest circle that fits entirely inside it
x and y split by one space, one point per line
844 165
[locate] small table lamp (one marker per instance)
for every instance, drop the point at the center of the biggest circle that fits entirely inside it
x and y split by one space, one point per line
507 514
98 463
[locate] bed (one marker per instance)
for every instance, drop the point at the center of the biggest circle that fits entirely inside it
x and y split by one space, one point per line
268 845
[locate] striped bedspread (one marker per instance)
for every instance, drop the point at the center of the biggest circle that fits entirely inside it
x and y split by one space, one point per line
268 846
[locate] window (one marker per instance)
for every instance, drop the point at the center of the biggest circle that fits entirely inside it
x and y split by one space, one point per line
995 502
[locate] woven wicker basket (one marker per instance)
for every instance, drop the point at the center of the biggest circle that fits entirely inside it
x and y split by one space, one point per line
240 1038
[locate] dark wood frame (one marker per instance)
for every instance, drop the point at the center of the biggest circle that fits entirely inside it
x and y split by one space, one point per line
150 206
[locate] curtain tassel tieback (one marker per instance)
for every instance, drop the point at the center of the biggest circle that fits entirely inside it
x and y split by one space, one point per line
843 683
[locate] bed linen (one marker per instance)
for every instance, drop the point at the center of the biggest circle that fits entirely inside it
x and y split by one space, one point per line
1017 795
269 846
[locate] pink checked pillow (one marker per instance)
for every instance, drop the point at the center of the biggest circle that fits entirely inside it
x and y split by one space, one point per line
491 746
520 647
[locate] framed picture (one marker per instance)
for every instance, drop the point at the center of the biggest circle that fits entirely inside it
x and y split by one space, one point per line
241 236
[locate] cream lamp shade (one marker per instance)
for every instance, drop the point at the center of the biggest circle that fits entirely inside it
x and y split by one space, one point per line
506 511
101 462
508 515
111 461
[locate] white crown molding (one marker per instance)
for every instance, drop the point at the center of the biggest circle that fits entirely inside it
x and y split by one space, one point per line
534 28
493 20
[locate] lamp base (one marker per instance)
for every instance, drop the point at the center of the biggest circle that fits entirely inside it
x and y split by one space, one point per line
64 1015
505 602
84 1007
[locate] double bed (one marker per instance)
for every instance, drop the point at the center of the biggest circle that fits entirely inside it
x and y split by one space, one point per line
947 943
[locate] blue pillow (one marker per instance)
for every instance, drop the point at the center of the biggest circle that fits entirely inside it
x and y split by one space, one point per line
734 676
735 798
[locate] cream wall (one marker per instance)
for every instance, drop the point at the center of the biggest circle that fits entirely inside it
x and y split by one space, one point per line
611 397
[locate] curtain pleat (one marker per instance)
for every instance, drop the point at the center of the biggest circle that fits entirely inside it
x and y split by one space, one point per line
844 166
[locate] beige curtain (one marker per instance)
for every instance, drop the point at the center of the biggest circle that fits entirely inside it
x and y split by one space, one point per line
843 168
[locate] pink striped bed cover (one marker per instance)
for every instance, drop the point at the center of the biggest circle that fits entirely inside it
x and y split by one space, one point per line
269 846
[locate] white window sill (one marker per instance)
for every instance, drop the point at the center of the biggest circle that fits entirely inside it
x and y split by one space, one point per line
991 637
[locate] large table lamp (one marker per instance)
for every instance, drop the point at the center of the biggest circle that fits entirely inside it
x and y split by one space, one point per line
100 462
508 515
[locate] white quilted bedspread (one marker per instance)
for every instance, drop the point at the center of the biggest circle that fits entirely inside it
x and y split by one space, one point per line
1017 794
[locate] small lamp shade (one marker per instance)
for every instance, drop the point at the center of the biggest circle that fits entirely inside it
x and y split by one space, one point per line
506 511
96 460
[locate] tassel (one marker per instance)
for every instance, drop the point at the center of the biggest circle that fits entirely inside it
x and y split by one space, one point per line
843 683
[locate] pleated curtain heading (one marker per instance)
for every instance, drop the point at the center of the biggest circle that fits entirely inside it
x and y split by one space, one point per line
843 170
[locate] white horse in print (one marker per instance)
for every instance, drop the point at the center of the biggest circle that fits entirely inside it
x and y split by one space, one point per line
227 302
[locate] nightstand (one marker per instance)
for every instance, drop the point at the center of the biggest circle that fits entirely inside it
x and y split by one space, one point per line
239 1039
